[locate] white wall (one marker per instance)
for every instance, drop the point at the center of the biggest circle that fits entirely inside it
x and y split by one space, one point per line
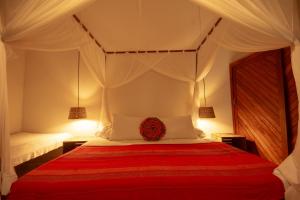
51 89
15 81
152 94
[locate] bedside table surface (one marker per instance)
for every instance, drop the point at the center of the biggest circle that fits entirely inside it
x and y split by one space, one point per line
231 135
80 139
71 143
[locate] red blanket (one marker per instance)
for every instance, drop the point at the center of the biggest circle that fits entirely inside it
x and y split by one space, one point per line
212 171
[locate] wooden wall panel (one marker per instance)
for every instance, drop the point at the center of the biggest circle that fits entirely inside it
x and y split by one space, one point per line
259 103
291 99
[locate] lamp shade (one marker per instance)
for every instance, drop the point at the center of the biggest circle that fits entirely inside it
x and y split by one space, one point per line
77 113
206 112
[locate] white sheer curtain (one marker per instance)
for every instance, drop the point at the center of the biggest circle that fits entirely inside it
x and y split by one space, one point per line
124 68
206 56
240 38
19 21
121 69
28 15
259 25
179 66
7 172
274 18
62 35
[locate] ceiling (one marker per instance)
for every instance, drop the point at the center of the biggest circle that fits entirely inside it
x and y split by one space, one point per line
124 25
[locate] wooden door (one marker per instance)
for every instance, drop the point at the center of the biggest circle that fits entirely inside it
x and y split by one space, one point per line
258 103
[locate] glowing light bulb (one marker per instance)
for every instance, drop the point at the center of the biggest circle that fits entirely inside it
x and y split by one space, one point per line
205 125
84 127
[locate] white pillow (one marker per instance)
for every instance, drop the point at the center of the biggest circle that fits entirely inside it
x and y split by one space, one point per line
180 127
127 128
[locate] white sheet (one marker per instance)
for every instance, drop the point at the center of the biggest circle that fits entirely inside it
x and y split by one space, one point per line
104 142
26 146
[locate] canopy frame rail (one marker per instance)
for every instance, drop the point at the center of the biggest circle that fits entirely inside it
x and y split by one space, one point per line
153 51
209 33
88 32
147 51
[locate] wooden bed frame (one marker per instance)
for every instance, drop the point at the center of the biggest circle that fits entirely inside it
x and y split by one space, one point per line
29 165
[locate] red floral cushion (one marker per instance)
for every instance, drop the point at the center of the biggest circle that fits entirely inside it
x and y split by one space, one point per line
152 129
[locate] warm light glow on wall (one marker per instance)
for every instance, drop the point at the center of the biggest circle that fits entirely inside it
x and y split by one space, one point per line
209 126
206 126
85 127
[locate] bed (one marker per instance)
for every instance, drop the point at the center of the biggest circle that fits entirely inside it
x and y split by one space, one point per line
168 169
26 146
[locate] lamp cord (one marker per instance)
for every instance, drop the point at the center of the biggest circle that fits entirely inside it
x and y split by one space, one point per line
204 92
78 65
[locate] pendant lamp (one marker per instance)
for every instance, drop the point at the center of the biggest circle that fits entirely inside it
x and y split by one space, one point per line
206 111
77 112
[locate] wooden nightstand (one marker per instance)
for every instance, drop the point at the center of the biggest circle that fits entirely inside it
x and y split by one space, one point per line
238 141
74 142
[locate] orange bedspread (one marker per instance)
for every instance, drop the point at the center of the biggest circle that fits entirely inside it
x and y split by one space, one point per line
208 171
